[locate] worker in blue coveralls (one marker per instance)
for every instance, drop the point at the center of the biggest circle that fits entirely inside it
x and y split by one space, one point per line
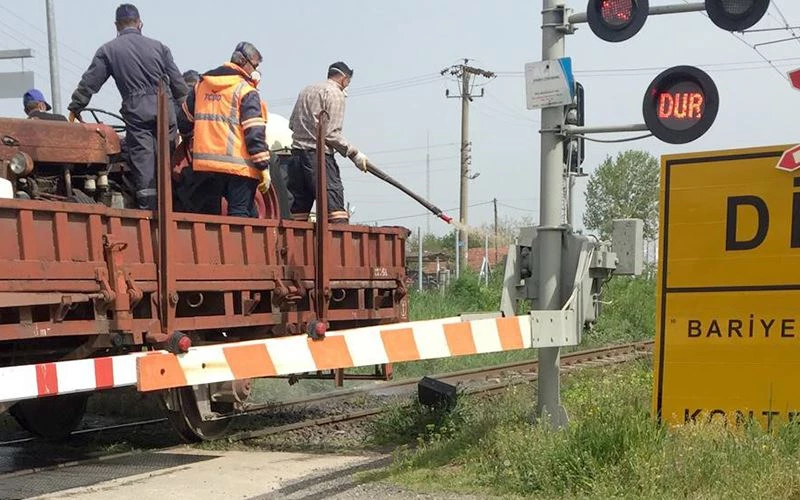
137 64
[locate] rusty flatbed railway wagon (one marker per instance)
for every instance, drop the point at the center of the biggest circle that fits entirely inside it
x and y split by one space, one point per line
81 278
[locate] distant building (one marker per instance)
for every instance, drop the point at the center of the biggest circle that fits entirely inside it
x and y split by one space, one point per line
475 257
432 264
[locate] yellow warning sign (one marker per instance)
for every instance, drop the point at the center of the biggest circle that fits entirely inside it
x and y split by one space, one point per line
728 331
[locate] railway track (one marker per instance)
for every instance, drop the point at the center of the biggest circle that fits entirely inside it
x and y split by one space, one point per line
481 381
526 371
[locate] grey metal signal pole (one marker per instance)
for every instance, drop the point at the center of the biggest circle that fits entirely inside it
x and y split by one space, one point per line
52 45
550 228
570 178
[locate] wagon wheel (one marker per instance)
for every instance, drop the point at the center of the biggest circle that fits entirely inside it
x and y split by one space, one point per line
52 418
189 424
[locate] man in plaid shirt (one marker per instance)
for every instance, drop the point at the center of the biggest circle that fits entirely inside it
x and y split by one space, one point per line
329 96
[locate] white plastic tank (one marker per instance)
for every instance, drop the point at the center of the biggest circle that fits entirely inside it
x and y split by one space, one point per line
6 189
279 136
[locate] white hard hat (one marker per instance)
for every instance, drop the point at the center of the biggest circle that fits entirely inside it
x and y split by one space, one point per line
279 135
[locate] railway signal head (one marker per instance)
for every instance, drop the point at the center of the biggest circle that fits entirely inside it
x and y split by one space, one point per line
616 20
574 114
736 15
680 105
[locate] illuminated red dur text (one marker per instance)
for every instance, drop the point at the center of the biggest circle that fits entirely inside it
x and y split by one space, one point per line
681 105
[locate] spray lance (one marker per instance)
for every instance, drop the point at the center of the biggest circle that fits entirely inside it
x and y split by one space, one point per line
380 174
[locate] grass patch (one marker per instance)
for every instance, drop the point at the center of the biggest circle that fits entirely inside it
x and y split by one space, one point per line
612 448
466 294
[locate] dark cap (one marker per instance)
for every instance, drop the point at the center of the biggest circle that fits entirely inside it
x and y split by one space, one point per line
191 76
34 95
127 11
340 67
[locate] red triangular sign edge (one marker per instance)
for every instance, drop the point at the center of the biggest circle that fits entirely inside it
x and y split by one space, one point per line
794 78
789 155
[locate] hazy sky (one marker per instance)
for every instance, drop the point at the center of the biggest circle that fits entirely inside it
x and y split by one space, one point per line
397 97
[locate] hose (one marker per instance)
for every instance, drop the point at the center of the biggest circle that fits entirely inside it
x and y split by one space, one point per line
380 174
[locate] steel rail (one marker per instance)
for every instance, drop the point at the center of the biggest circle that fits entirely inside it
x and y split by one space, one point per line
529 369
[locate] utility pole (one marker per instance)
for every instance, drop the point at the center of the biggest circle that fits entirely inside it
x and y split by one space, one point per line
550 213
458 256
465 74
496 234
419 258
52 45
428 180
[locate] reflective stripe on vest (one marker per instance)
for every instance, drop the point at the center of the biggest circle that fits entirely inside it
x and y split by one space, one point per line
223 159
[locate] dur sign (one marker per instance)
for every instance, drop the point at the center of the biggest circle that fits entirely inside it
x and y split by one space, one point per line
680 105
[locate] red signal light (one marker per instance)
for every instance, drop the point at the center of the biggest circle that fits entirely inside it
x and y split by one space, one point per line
616 20
617 12
680 105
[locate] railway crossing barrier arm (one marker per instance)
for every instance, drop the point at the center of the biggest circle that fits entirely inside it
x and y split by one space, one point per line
411 341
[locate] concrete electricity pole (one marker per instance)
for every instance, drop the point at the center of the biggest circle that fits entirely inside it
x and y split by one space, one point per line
550 216
428 180
466 74
52 45
496 235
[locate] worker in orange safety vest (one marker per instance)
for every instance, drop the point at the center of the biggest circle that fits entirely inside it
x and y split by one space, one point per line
226 120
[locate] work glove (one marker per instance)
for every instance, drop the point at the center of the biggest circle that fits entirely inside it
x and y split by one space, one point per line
75 107
75 116
263 186
360 159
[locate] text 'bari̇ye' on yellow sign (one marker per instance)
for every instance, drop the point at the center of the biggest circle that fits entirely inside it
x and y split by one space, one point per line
728 325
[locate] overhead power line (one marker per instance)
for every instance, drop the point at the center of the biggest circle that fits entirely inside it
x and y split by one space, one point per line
423 214
414 148
753 47
713 67
40 30
786 24
377 88
11 31
512 207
